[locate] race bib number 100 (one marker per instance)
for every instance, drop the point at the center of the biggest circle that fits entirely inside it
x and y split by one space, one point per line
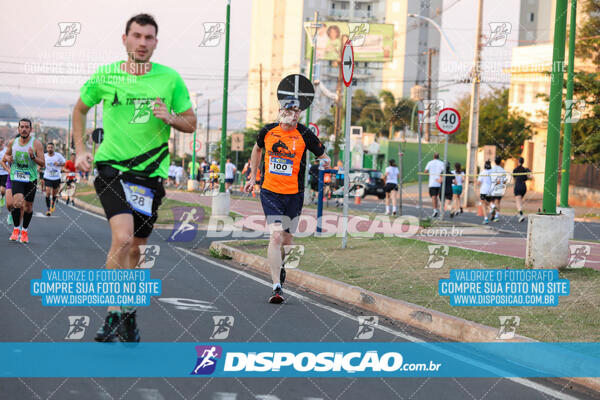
139 197
281 166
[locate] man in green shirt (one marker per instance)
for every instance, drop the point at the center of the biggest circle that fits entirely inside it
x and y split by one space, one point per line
141 101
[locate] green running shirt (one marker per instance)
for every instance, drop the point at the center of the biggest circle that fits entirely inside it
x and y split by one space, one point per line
134 139
23 168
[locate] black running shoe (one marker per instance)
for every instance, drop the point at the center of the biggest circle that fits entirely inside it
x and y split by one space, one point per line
277 297
108 332
128 330
282 274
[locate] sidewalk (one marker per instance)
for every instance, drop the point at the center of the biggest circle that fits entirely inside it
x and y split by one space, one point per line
531 204
472 238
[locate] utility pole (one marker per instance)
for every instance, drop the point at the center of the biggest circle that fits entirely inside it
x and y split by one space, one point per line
193 172
207 130
69 138
566 156
316 26
430 53
555 108
260 88
338 108
473 143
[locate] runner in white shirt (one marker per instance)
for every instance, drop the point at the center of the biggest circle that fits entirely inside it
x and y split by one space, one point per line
178 176
3 174
54 162
229 174
435 168
172 172
457 187
391 187
499 179
485 183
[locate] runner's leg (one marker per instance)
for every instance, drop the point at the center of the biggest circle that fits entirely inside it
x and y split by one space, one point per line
121 228
274 251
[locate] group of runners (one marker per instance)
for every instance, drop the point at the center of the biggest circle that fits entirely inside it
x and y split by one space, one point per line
491 180
22 162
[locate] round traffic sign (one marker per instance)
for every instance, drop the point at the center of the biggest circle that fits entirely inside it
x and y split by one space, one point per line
348 63
448 120
198 145
298 86
314 128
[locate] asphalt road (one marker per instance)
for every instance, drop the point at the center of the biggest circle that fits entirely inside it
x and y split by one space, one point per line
205 287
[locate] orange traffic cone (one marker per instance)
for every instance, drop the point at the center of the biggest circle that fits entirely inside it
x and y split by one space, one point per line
479 210
253 193
357 199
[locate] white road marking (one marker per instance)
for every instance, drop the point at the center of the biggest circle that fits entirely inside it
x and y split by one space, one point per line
150 394
224 396
522 381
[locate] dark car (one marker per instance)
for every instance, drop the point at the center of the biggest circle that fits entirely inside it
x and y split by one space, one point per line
371 178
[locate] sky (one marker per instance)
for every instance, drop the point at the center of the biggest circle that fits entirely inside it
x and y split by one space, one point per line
32 29
459 21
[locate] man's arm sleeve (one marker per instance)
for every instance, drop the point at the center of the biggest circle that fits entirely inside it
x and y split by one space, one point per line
181 96
260 139
90 92
312 142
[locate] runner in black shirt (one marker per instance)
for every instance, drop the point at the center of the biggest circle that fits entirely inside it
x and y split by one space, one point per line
520 186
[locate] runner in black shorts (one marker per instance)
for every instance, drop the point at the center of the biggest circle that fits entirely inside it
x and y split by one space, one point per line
132 164
3 174
521 176
27 154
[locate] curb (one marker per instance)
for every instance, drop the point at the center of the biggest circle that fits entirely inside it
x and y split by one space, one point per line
435 322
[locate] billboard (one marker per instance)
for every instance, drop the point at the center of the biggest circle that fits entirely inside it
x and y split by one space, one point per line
372 42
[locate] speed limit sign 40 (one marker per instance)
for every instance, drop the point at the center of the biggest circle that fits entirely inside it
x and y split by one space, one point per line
448 121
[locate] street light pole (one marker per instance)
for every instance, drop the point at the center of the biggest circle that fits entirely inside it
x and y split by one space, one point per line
473 142
310 77
225 95
555 108
566 156
193 172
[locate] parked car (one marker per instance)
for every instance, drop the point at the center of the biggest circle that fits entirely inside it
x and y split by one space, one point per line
372 179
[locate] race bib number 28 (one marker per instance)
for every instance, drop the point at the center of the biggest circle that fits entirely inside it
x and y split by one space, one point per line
139 197
280 166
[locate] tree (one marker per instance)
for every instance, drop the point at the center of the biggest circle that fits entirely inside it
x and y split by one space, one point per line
497 125
585 138
250 135
588 41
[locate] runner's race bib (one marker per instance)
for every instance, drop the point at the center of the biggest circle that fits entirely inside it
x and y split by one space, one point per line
139 197
498 186
52 174
21 176
280 166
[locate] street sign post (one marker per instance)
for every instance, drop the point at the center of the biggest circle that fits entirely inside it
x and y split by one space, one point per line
447 122
237 145
347 75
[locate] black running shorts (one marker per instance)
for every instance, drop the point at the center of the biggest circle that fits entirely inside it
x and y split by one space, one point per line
54 184
112 196
27 189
